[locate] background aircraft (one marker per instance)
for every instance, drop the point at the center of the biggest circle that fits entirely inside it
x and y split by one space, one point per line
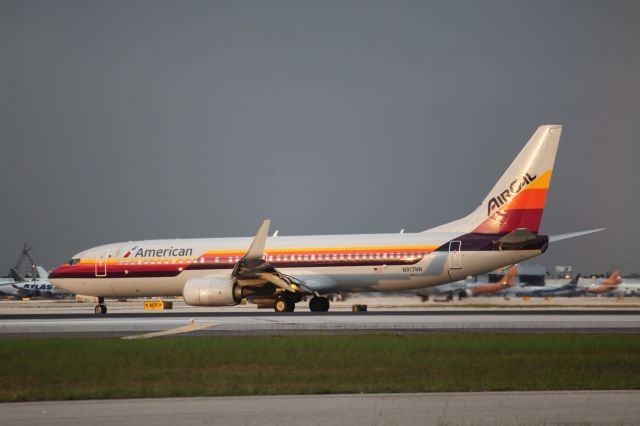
508 281
604 286
36 286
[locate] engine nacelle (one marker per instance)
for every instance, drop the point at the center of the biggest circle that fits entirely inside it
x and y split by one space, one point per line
211 291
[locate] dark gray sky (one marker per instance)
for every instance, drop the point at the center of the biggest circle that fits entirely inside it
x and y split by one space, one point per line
151 119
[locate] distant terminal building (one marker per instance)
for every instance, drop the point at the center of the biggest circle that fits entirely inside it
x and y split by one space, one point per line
527 275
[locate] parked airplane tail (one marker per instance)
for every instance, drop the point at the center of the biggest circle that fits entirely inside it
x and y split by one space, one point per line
40 272
614 279
518 199
575 279
509 280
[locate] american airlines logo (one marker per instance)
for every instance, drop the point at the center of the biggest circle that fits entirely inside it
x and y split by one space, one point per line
161 252
515 187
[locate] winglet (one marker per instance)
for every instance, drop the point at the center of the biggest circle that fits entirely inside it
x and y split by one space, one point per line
554 238
256 251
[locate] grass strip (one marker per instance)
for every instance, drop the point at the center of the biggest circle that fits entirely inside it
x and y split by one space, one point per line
62 368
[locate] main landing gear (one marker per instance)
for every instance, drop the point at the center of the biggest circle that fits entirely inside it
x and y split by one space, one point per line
284 303
101 308
319 304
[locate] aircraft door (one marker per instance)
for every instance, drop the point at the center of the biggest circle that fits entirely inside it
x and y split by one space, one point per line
455 258
102 258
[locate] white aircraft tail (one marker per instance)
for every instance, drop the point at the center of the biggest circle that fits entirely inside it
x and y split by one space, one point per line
40 272
518 199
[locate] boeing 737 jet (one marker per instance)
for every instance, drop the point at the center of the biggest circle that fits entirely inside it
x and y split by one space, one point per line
278 272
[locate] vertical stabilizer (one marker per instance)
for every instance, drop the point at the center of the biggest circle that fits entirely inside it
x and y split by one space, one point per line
518 199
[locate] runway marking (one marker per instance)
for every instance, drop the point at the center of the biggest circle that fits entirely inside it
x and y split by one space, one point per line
184 329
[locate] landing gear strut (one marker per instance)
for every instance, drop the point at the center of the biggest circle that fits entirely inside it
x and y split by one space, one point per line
284 303
101 308
319 304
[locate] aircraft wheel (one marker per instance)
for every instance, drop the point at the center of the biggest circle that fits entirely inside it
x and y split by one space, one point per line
100 309
319 304
284 304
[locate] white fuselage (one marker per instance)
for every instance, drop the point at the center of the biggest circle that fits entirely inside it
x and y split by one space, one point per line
326 264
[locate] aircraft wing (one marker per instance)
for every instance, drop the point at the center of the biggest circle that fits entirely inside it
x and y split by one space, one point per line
554 238
253 270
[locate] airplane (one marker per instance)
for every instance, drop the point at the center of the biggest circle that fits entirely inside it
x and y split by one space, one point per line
38 285
508 281
570 289
626 289
605 286
278 272
459 289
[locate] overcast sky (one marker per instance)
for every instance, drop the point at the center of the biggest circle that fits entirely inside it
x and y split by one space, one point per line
151 119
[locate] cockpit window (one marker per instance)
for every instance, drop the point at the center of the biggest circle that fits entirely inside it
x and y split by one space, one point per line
73 261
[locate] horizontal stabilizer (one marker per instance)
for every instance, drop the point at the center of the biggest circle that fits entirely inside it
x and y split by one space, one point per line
520 239
520 235
554 238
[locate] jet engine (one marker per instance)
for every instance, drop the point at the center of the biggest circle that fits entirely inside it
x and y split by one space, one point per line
211 291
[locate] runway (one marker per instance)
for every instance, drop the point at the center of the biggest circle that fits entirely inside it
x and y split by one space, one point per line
249 322
473 408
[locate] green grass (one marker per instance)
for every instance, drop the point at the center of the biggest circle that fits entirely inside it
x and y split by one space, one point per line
54 369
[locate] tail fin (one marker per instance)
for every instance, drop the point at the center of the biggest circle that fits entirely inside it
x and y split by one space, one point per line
518 199
40 272
614 279
575 280
509 280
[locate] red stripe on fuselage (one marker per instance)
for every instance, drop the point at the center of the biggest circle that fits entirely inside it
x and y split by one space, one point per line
510 220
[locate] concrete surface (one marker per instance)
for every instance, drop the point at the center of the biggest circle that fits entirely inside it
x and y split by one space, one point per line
486 408
627 321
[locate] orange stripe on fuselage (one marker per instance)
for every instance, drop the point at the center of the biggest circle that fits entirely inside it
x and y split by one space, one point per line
326 250
274 252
